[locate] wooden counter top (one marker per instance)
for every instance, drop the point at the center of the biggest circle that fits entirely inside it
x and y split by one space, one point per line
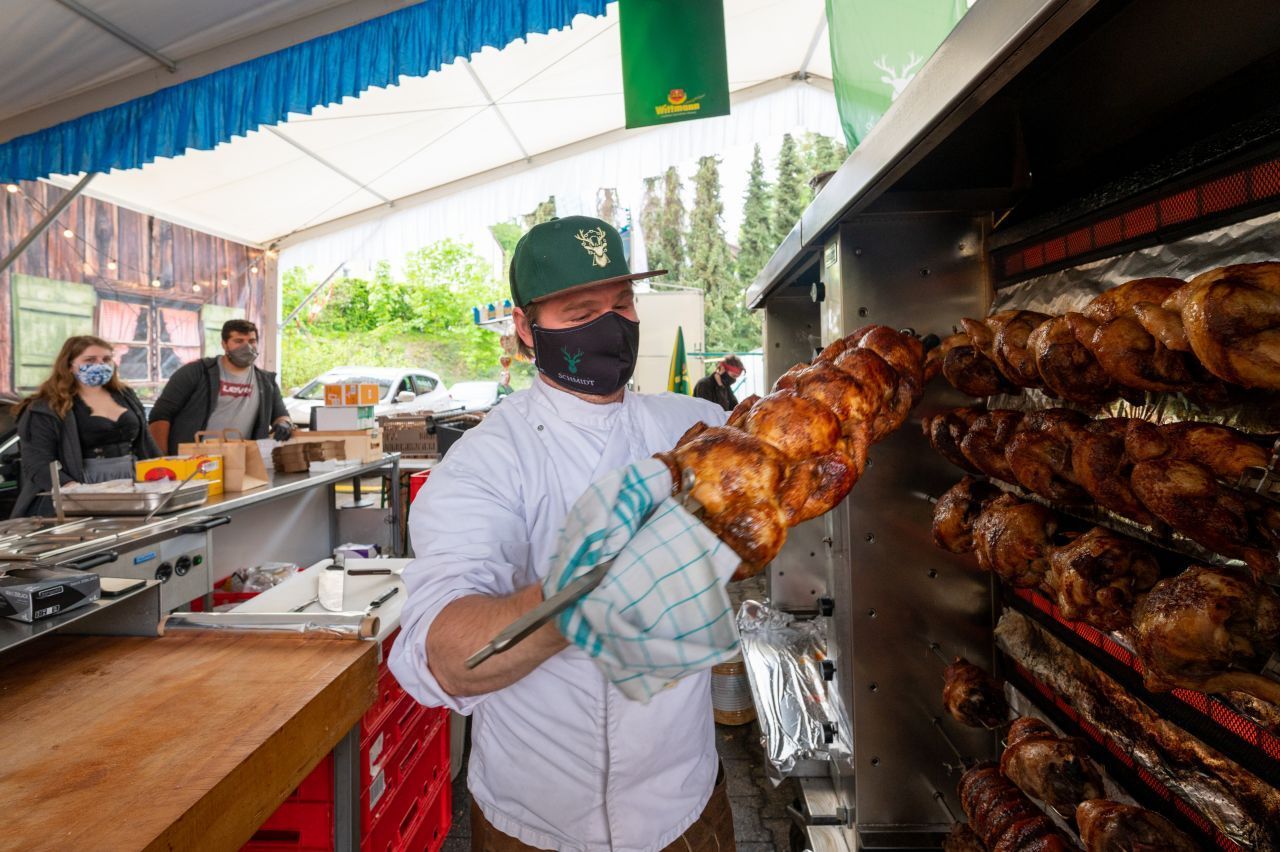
187 741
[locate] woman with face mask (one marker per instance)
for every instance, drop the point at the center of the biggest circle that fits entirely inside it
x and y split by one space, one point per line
84 417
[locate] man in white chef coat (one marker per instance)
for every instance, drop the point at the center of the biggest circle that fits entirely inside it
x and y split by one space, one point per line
559 758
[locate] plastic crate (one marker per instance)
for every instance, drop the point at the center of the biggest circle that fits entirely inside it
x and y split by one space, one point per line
420 810
295 826
389 695
424 743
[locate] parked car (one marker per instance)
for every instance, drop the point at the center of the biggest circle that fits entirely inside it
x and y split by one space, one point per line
477 396
398 391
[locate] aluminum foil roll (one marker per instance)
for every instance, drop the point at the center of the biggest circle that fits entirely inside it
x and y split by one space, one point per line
784 658
332 625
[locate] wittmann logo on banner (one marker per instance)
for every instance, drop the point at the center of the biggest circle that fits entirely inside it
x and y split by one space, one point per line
670 49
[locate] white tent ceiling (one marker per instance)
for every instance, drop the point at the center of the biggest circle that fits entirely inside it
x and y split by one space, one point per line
497 113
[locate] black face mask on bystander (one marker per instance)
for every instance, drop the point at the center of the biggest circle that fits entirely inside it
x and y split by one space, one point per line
596 358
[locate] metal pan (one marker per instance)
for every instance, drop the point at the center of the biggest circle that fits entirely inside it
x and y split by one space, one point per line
85 502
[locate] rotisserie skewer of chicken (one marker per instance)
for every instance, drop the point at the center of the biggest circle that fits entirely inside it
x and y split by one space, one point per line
795 453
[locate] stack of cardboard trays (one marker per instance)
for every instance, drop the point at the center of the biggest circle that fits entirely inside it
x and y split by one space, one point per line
290 458
411 435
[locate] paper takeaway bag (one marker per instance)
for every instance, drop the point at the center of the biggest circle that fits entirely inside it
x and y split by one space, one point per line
242 466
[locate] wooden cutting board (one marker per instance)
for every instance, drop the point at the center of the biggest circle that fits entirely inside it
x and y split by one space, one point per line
187 741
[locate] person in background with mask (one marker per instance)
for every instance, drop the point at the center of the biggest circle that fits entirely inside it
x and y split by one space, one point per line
594 770
83 417
223 392
718 387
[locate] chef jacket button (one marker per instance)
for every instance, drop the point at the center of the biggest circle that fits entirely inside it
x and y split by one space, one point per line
539 428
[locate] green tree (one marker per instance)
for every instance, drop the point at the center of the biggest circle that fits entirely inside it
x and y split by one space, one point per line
755 243
822 154
791 193
671 227
506 234
544 212
730 326
651 223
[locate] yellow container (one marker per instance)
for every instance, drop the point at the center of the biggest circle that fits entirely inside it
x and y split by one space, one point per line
178 468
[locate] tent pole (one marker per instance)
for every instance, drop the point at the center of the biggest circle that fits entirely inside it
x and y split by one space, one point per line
128 38
43 224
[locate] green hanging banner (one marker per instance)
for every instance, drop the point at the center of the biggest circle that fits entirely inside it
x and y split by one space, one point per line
877 46
673 60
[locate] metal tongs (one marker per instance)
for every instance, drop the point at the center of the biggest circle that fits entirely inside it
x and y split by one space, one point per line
578 587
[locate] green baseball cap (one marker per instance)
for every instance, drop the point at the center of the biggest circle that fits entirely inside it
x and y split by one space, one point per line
567 254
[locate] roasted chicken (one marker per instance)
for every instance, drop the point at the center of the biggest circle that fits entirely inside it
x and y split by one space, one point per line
1231 318
1226 452
1014 539
945 431
1102 467
1066 365
1208 630
797 452
985 440
1109 328
1010 349
973 697
1099 576
1039 454
1107 826
1057 770
1003 817
962 838
969 370
956 512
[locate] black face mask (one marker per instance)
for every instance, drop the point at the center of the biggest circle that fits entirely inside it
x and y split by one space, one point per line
597 357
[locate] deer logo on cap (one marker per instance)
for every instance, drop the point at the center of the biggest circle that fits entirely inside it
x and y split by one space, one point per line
594 242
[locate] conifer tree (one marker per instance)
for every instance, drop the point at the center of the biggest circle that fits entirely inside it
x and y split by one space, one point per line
544 212
671 226
755 244
791 193
822 154
730 327
651 223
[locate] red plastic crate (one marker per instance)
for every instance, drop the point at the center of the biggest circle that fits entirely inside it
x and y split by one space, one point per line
295 825
425 741
415 811
416 481
390 694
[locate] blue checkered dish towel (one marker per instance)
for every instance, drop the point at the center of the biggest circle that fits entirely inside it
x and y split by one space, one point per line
661 611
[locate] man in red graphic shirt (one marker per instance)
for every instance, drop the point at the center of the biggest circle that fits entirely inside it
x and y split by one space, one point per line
226 392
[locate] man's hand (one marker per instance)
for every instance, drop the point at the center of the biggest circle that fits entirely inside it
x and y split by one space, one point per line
282 429
464 626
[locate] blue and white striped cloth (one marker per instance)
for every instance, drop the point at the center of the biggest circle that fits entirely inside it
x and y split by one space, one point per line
662 611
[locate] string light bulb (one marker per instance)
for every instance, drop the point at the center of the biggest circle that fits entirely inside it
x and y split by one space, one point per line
13 187
253 270
195 288
155 282
224 282
111 264
68 233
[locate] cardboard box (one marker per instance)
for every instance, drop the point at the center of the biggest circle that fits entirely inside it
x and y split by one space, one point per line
346 417
351 393
30 594
363 445
178 467
410 435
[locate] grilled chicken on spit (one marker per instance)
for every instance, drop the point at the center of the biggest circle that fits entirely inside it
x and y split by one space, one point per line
1057 770
972 696
1197 630
1112 827
1109 328
1067 367
969 370
797 452
1102 467
962 838
945 431
1188 498
1226 452
1039 454
1099 576
1010 351
956 512
1231 318
1003 817
1014 539
985 441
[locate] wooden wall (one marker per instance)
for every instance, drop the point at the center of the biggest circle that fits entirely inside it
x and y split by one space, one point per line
188 264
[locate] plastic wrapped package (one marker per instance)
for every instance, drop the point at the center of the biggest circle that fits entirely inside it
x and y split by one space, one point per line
784 658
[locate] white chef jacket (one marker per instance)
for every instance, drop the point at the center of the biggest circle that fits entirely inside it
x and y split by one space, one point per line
559 759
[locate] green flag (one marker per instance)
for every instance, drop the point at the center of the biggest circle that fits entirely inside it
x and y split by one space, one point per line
678 377
673 60
877 46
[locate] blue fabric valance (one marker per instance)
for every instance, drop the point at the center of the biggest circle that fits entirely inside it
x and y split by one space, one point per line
209 110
